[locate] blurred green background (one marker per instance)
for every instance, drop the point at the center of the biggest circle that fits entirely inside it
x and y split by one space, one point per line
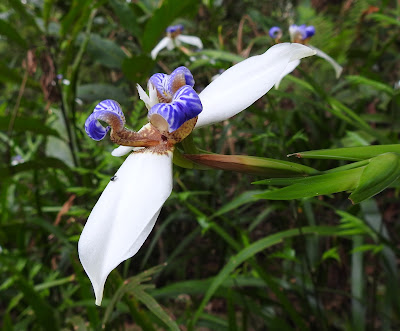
219 258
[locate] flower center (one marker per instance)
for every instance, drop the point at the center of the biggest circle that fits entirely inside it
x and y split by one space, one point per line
171 120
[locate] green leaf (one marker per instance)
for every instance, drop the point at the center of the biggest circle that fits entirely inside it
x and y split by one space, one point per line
106 52
46 316
137 68
47 7
126 17
73 20
8 30
154 307
384 19
316 185
331 254
40 163
221 55
377 175
28 18
239 201
349 153
375 84
23 124
90 93
252 165
164 16
252 250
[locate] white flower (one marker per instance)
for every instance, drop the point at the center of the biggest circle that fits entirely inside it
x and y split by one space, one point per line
301 34
128 208
175 38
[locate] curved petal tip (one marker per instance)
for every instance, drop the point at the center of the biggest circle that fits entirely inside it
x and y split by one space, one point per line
244 83
124 215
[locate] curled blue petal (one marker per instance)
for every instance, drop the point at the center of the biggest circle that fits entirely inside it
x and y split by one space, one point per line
310 31
174 28
108 111
167 85
185 105
179 77
275 32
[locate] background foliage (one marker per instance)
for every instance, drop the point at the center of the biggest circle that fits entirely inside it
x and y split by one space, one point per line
221 256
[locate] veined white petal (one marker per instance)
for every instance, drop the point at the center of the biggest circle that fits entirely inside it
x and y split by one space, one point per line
124 215
191 40
289 68
338 68
244 83
161 45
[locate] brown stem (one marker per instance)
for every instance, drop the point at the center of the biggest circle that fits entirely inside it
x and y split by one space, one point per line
126 137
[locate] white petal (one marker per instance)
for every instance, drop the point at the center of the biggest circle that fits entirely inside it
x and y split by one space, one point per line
161 45
143 96
191 40
124 215
289 68
170 44
338 68
122 150
244 83
152 94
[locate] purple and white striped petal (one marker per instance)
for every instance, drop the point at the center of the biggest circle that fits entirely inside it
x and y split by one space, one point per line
310 31
174 28
275 32
185 105
297 32
167 85
108 111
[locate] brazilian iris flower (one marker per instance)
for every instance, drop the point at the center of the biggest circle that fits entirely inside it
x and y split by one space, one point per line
128 208
174 37
301 34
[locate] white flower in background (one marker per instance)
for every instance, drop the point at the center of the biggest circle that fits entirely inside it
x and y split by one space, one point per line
174 38
129 206
301 34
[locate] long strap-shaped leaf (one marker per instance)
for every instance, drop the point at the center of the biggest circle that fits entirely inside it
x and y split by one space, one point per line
252 250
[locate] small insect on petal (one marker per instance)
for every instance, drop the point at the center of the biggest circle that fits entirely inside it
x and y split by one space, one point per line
113 178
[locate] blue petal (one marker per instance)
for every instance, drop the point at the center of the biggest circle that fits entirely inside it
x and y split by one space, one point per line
274 32
160 82
185 105
310 31
167 85
174 28
108 111
180 76
299 29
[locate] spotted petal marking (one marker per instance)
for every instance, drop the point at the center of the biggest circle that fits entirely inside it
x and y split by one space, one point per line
108 111
185 105
167 85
